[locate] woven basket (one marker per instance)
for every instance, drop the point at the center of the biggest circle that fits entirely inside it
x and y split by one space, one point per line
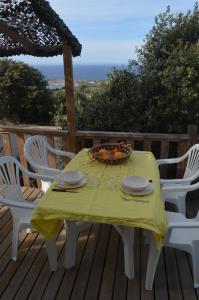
110 159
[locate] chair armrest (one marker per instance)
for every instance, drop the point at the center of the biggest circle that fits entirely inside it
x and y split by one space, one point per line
38 176
20 204
169 161
181 188
183 180
60 152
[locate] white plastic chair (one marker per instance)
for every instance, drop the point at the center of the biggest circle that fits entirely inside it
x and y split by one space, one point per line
36 151
11 195
182 234
191 173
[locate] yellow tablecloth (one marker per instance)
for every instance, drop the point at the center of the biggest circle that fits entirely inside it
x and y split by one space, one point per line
100 199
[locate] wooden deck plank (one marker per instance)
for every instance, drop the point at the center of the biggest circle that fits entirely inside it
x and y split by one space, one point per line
110 267
57 277
45 274
185 276
145 295
5 244
69 278
160 283
12 267
23 269
94 282
120 285
5 260
133 289
3 210
99 272
174 287
31 276
86 264
5 229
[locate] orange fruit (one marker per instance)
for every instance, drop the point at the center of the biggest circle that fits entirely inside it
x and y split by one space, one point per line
118 154
103 152
105 156
115 150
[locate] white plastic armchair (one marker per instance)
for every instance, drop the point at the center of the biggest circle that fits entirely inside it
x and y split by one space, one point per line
174 195
176 192
11 195
182 234
36 151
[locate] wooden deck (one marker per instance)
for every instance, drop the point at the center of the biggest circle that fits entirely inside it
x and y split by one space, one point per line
99 271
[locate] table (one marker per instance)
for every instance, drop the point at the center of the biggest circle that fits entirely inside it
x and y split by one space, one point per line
101 200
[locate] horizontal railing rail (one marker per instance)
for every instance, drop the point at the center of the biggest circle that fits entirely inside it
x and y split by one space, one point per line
162 145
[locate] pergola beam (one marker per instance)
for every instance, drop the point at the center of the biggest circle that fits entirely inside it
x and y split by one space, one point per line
18 38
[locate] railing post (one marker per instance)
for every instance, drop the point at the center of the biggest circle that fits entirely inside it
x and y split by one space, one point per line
7 147
192 132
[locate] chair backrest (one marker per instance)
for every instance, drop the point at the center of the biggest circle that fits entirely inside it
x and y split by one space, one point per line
36 151
10 174
192 156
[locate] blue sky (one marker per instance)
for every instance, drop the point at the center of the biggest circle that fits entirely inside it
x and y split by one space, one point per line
109 30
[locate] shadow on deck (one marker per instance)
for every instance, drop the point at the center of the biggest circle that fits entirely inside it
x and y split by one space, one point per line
99 271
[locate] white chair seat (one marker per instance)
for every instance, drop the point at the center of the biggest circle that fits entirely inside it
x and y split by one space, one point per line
184 236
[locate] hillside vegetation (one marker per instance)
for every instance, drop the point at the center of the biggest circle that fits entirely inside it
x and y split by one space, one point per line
158 92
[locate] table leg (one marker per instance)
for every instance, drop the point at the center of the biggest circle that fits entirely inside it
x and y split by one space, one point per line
74 228
52 254
71 244
127 234
153 258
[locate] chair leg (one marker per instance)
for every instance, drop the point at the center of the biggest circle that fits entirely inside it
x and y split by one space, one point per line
71 244
52 254
195 262
153 258
15 236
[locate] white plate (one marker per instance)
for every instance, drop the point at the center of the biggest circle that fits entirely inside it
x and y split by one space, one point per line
135 183
70 177
146 191
62 184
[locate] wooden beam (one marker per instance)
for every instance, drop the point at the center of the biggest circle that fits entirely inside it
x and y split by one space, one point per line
70 102
10 32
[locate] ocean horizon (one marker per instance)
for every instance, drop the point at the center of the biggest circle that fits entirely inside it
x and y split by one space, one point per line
80 72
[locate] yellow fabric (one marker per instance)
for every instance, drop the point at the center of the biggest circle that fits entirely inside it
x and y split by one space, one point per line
100 199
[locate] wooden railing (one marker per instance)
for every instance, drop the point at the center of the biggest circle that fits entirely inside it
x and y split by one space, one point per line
162 145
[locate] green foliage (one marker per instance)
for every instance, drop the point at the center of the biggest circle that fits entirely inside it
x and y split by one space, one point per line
169 72
158 93
162 95
113 105
59 108
24 96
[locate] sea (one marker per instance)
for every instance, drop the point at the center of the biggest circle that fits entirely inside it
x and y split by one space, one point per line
80 72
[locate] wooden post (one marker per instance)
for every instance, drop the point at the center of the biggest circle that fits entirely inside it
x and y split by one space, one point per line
70 103
192 132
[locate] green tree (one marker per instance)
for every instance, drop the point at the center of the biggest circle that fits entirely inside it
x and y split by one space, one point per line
24 96
169 72
162 95
113 105
58 114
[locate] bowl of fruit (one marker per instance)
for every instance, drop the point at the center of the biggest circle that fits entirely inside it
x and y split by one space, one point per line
110 153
